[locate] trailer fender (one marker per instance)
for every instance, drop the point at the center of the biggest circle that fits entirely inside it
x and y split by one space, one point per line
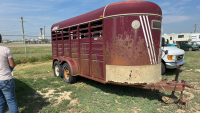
73 64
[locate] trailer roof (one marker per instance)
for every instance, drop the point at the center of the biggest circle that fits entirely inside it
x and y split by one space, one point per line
115 9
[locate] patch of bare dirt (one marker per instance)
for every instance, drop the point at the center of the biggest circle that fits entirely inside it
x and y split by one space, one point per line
119 109
78 85
117 102
189 70
197 106
191 95
106 93
74 102
135 110
180 111
159 110
51 95
197 70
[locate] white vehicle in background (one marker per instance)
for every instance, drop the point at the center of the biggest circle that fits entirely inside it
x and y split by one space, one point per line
171 56
195 37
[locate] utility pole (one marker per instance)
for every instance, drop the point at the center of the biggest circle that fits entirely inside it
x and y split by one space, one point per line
44 32
195 27
23 35
23 29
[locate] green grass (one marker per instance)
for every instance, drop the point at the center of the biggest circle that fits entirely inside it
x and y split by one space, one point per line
34 54
35 49
37 90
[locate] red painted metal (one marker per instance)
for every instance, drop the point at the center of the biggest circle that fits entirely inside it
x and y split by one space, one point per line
113 9
90 46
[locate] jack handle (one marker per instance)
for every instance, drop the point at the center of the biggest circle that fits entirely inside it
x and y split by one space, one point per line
187 85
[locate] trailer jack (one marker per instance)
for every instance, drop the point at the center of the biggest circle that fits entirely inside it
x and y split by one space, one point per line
172 98
173 86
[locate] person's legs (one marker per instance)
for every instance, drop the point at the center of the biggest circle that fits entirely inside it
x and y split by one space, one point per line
9 93
2 101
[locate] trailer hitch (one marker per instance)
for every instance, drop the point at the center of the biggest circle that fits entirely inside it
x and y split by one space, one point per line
173 86
172 98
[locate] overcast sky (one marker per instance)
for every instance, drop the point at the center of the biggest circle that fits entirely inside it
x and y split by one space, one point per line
179 16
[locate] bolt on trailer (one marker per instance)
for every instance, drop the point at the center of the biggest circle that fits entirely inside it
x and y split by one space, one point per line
118 44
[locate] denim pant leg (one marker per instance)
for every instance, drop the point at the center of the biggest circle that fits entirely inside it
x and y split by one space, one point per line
2 102
8 90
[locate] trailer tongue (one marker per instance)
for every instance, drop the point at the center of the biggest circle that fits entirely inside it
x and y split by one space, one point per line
173 86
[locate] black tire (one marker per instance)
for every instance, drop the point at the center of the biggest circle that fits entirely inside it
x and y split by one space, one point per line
66 72
163 68
57 69
189 49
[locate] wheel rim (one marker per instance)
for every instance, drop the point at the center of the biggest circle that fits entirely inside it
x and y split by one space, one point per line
190 49
66 73
57 70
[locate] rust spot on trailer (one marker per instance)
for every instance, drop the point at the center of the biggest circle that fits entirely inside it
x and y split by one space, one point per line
119 36
121 50
130 41
126 43
85 69
96 69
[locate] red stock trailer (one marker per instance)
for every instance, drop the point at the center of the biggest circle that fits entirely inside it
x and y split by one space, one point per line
117 44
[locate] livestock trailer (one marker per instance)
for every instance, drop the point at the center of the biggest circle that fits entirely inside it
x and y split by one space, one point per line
118 44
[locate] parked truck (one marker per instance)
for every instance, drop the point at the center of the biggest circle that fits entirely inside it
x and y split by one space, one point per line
171 56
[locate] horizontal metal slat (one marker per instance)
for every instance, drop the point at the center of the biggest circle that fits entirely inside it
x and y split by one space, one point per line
74 50
74 55
97 57
82 45
74 41
96 45
97 32
97 26
97 51
83 29
84 40
66 42
84 50
84 56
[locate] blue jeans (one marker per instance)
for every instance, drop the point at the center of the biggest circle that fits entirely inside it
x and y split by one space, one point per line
7 91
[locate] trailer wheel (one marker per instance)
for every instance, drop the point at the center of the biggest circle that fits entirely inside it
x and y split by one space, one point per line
163 68
66 71
190 49
57 69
